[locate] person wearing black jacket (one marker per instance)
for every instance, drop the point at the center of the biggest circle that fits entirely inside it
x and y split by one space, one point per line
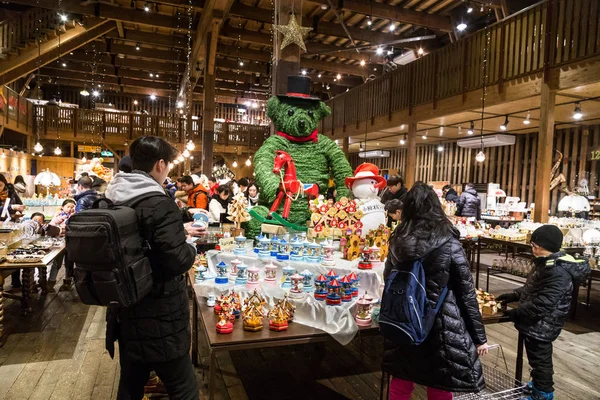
394 189
468 204
447 361
450 194
544 304
154 334
86 195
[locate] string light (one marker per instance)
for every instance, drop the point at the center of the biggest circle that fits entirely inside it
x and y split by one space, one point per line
180 105
402 141
362 63
379 51
152 96
440 148
527 120
471 129
461 27
190 145
63 17
369 22
577 114
469 9
338 77
135 103
137 46
504 126
151 75
234 164
64 64
147 7
175 162
318 76
241 63
420 51
392 27
95 93
186 153
181 158
304 72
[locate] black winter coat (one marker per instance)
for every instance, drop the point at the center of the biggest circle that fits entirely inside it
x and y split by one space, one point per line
545 300
468 204
157 328
452 196
85 200
447 359
387 195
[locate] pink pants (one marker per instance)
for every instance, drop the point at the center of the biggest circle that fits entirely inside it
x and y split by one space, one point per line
402 390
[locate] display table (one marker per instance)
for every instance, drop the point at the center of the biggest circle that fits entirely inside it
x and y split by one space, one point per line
28 284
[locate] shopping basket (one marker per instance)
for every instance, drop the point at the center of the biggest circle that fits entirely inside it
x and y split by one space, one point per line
498 383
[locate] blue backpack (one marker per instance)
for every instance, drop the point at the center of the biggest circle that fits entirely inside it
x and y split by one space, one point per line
406 317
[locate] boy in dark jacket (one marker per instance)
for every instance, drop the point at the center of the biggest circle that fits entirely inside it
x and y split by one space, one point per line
86 195
450 194
544 304
154 334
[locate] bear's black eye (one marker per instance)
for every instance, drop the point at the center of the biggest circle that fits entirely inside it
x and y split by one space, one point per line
311 114
291 112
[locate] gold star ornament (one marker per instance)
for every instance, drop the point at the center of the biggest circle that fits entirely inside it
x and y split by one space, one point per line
292 33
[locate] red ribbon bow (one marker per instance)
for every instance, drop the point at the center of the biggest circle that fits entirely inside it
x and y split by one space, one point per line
302 139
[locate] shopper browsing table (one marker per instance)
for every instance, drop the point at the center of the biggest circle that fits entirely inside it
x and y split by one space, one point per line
394 190
197 193
447 361
468 204
154 334
544 304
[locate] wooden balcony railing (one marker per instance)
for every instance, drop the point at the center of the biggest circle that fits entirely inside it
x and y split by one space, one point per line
84 123
548 34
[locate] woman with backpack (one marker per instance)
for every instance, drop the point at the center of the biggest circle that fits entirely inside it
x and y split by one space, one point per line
448 358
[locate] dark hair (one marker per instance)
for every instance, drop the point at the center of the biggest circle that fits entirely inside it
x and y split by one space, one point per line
243 182
422 212
85 182
3 179
469 186
330 194
223 189
447 187
213 179
253 184
188 180
148 150
37 214
393 205
98 182
67 201
19 179
394 180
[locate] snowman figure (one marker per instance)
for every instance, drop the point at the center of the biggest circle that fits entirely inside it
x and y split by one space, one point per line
365 184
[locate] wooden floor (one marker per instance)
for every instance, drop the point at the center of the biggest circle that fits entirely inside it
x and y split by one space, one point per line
57 352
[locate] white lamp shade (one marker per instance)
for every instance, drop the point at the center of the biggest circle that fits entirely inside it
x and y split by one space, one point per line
47 178
499 193
591 236
574 203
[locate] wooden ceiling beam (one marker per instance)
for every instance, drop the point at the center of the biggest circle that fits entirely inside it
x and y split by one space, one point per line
109 11
171 41
395 13
27 62
105 59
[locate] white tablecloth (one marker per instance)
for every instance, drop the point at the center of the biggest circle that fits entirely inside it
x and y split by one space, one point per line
338 321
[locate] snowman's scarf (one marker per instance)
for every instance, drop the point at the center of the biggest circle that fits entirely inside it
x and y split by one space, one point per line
302 139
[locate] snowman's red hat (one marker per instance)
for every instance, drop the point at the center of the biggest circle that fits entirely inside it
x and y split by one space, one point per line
366 171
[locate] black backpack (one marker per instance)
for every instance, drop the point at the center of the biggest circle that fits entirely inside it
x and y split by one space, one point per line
111 267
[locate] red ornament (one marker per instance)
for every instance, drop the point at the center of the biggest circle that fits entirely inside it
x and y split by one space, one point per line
319 228
278 327
358 225
341 225
333 223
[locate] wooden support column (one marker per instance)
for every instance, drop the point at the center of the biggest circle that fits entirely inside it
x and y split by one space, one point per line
411 155
545 154
346 146
208 104
286 61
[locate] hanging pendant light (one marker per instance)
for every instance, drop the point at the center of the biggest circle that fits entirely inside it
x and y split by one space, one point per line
480 157
190 145
38 147
3 155
248 162
181 158
83 159
57 151
186 153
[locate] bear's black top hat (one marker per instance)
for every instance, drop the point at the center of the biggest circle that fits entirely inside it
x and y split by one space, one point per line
299 88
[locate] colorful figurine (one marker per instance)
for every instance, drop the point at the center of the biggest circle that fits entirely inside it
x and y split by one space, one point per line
271 273
346 289
234 268
328 250
286 281
284 253
313 253
333 296
278 318
321 287
259 243
355 283
297 251
296 290
240 245
252 277
224 325
307 281
265 248
200 274
288 306
211 301
374 256
274 247
331 275
365 261
242 274
252 318
255 299
221 278
363 312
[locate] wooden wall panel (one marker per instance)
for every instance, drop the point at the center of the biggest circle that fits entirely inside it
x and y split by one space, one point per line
513 167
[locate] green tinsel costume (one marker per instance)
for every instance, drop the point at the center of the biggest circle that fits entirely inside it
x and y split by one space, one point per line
316 161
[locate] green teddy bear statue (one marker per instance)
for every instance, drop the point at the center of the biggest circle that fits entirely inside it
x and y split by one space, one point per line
315 157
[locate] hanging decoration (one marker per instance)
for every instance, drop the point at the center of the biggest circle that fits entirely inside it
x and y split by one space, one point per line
480 157
292 32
